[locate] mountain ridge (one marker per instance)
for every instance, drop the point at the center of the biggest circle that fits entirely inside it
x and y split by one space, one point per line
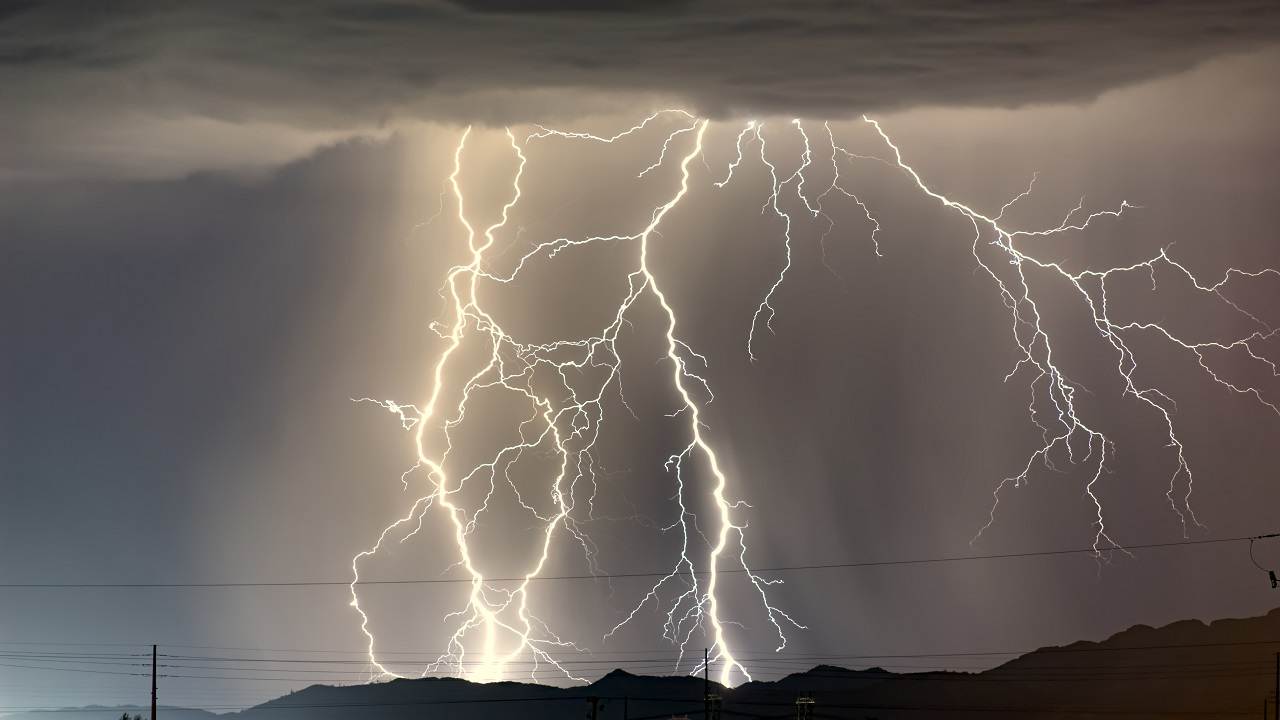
1223 668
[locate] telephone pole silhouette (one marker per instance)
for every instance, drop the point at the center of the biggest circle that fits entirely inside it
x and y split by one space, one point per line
804 706
706 683
711 701
153 682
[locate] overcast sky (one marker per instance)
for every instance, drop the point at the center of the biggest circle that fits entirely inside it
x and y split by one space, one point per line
215 225
160 88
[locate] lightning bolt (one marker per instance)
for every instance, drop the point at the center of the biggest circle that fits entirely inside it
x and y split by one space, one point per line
564 384
1037 348
487 606
497 627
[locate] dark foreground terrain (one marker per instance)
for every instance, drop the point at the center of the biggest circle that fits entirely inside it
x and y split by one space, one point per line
1187 669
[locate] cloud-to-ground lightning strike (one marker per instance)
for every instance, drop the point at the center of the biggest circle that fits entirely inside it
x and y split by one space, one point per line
568 421
565 384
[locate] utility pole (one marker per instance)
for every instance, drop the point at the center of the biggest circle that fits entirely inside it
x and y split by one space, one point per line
711 701
1278 686
804 706
153 682
707 683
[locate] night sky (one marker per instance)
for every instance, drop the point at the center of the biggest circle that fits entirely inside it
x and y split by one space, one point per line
223 222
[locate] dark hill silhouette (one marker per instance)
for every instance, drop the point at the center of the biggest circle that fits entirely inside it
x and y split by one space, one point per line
113 712
1186 669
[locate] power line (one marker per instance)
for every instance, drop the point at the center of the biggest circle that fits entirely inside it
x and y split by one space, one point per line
574 657
617 576
1149 671
950 653
59 669
1031 675
57 661
306 706
785 662
1025 709
688 701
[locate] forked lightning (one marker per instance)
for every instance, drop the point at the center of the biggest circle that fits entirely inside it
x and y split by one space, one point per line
566 383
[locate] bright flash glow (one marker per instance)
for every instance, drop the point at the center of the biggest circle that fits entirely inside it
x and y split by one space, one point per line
564 384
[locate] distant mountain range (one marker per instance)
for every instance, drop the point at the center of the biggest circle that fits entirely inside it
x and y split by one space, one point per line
1187 669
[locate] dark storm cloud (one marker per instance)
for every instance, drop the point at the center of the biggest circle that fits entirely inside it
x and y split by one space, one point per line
342 64
559 6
